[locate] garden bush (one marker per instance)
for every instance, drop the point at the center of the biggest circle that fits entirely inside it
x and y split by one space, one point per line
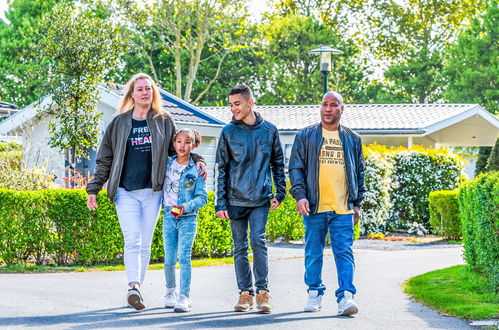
444 213
214 237
55 227
479 212
376 205
416 173
285 222
26 179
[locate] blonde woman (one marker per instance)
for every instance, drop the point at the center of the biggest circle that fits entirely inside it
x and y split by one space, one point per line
132 159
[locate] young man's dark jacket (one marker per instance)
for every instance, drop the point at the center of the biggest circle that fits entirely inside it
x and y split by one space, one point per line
304 165
248 156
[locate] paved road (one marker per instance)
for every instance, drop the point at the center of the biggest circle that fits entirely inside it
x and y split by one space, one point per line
97 299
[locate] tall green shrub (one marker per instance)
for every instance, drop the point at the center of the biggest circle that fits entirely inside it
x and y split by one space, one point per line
493 161
482 160
444 213
479 212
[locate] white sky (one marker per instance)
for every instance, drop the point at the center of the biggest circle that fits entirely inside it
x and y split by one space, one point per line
3 8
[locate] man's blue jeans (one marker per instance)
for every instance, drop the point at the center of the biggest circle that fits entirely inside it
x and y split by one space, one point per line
256 218
340 228
178 237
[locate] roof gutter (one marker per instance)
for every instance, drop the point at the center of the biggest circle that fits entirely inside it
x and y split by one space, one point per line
371 131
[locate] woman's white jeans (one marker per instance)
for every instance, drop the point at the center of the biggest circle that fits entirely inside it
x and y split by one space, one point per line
138 212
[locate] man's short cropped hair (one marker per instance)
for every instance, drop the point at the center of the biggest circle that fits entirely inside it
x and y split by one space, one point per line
242 89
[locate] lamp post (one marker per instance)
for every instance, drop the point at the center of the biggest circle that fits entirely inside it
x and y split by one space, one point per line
325 52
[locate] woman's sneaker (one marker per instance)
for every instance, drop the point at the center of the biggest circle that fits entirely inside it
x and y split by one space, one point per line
347 306
170 298
183 304
134 299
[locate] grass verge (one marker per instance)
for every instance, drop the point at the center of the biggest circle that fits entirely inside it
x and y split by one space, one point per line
11 269
456 291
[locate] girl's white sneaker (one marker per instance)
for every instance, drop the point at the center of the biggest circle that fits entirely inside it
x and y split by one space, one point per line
170 298
183 304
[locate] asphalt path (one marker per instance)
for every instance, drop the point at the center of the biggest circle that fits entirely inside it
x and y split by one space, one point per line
94 300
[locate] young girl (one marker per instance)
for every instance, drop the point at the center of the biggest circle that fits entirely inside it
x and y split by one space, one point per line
184 193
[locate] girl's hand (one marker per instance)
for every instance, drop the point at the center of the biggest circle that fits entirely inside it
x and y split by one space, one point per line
177 211
203 173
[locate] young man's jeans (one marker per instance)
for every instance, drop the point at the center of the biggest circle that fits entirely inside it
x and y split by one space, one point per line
178 237
256 218
138 212
340 227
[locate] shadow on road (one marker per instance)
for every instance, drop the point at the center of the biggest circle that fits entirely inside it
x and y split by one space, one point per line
158 317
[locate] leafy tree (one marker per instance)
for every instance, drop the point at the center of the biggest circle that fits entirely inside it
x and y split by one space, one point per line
239 66
287 74
482 160
339 15
493 161
20 77
175 37
472 67
82 48
411 35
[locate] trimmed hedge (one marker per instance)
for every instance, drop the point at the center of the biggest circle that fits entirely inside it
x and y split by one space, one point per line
444 213
55 226
479 213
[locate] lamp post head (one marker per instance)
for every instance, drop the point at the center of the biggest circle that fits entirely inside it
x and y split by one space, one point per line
325 52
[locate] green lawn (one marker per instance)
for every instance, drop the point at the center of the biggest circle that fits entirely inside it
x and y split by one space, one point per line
155 266
455 291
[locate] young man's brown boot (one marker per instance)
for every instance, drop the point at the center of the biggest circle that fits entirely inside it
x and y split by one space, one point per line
245 302
263 302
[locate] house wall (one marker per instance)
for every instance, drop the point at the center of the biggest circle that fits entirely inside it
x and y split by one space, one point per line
36 150
207 149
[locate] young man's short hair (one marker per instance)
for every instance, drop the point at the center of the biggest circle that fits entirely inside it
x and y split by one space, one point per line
242 89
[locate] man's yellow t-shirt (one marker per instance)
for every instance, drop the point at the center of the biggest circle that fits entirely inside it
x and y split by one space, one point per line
333 189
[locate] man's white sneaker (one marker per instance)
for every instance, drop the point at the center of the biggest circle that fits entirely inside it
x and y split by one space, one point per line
183 304
347 306
170 298
314 302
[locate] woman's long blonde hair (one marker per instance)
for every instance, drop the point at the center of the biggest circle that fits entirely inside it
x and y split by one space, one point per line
127 103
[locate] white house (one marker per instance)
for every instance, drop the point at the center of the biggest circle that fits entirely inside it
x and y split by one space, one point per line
430 125
6 110
34 130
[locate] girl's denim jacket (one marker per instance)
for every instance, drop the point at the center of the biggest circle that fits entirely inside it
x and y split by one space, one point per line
191 189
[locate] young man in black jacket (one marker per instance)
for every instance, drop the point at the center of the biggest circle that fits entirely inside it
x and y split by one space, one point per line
249 155
326 170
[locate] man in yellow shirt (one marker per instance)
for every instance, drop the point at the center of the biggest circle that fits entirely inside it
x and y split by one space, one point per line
326 170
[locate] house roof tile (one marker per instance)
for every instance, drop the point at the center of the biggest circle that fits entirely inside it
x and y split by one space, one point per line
356 116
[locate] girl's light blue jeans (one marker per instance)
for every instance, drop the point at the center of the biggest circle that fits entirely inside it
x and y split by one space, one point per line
178 237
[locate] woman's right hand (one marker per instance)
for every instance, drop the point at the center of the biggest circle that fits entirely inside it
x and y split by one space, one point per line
92 202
